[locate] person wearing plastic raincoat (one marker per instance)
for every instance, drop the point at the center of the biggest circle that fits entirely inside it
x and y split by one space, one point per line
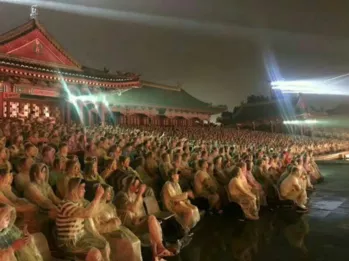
15 245
75 230
109 225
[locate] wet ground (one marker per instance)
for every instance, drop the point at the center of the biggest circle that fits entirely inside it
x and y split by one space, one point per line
323 234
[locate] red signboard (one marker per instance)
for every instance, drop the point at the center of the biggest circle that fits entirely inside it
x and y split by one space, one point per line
11 95
47 93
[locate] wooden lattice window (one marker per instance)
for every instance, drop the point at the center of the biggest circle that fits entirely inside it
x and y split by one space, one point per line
46 111
14 109
26 109
36 110
57 113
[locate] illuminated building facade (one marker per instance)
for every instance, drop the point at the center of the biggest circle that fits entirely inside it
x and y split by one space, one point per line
38 78
160 105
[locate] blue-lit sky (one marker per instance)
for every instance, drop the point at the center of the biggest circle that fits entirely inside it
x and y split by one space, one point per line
221 51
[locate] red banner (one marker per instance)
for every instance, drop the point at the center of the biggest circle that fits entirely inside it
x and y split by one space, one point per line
11 95
47 93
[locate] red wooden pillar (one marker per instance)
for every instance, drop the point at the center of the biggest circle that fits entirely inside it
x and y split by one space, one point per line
1 104
8 108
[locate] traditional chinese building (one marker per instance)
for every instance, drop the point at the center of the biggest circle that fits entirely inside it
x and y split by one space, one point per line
37 76
160 105
270 115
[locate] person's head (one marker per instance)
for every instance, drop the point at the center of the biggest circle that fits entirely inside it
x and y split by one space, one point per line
63 149
24 164
185 157
110 163
275 157
108 192
149 155
89 169
177 158
242 165
81 139
38 173
72 167
4 154
124 162
236 172
76 188
134 186
48 154
7 216
114 151
174 175
203 165
101 142
249 165
94 163
30 150
58 164
217 161
295 172
18 140
165 157
6 176
299 161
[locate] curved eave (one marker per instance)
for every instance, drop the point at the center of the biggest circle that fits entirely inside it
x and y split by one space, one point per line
56 76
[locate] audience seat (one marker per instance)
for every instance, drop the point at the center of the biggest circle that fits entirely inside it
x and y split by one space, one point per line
280 201
152 208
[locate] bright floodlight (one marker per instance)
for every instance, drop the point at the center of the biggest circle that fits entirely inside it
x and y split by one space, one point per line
88 98
330 86
299 122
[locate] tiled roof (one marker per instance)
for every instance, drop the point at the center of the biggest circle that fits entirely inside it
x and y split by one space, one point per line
83 73
341 109
163 98
265 111
86 72
28 27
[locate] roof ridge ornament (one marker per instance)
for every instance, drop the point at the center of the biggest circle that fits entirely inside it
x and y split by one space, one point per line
34 12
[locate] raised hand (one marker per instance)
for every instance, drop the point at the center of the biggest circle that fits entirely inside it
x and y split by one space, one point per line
142 189
99 192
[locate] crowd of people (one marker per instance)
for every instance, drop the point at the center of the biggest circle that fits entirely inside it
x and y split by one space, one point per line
92 191
331 133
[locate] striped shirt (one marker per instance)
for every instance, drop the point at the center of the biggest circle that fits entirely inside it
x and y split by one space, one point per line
69 228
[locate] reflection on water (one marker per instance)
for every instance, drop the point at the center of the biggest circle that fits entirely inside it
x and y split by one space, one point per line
225 238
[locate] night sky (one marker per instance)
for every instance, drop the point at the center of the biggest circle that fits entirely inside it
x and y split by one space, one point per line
219 50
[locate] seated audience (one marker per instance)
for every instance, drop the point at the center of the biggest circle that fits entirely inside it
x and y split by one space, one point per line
178 202
75 233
